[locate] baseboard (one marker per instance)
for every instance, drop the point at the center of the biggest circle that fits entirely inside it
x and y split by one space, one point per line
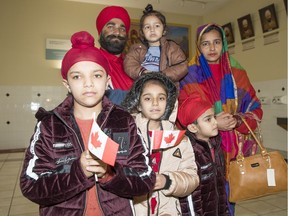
2 151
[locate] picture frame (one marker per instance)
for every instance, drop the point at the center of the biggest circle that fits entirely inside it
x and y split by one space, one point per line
268 18
133 35
245 27
229 33
179 33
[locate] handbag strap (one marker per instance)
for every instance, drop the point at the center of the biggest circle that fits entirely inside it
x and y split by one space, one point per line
263 149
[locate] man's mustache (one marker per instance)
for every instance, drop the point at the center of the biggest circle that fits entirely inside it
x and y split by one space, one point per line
115 36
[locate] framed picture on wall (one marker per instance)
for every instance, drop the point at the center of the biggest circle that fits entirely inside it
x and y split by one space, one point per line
268 18
245 27
133 35
179 33
229 33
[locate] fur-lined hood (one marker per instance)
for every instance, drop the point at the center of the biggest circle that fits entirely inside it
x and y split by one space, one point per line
132 99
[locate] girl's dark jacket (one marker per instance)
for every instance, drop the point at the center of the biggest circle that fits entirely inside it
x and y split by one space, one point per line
209 198
52 175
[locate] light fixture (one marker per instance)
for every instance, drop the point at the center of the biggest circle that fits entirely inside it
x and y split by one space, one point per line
203 3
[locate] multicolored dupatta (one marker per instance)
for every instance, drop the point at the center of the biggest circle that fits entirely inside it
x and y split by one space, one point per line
236 92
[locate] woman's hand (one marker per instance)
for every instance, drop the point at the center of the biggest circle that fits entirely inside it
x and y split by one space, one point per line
225 121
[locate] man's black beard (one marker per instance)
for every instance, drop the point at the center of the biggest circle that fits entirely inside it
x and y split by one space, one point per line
114 47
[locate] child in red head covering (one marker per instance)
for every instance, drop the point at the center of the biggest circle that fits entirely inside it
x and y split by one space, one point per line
59 172
197 116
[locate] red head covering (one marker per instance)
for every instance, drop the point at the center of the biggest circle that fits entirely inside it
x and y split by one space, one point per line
83 49
111 12
191 109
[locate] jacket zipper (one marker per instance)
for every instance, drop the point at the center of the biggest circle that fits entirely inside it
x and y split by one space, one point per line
215 176
79 144
161 156
109 111
98 200
82 150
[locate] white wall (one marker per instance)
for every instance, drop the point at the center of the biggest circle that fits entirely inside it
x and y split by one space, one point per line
18 107
274 136
264 62
25 24
266 65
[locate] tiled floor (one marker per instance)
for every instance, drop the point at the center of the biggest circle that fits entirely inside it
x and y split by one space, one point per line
13 203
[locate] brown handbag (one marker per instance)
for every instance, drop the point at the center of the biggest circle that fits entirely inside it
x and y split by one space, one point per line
257 175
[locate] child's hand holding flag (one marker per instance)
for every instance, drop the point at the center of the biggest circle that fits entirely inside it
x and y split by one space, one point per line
101 145
166 138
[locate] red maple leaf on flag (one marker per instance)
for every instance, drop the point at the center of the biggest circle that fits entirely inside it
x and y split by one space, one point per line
94 140
169 138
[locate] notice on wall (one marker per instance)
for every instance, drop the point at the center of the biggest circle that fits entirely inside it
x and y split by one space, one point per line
56 48
271 37
248 44
231 49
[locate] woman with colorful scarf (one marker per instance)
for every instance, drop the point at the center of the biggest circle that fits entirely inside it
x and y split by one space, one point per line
221 79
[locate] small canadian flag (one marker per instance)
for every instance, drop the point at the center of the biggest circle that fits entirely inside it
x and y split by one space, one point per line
166 138
101 145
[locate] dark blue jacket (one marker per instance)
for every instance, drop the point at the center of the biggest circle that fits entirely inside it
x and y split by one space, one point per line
209 198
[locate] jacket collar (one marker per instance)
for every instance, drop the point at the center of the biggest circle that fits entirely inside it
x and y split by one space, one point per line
65 109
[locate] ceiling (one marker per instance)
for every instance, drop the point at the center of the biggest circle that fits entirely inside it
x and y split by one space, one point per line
188 7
